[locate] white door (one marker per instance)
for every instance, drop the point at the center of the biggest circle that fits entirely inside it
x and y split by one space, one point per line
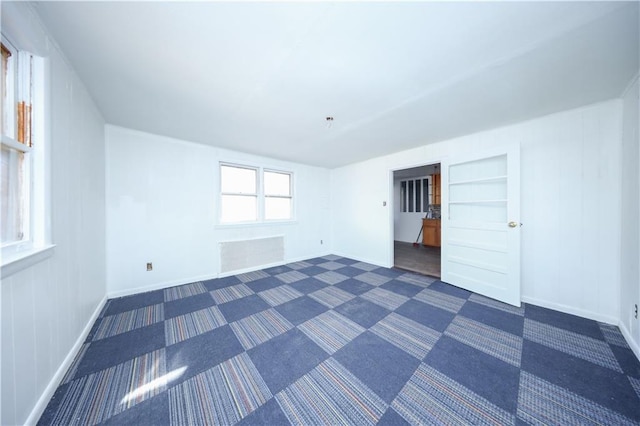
481 223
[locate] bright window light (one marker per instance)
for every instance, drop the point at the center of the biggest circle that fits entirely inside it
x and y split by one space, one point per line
238 180
252 194
238 208
277 183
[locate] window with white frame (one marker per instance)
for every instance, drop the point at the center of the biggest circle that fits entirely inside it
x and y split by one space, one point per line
254 194
239 194
278 199
415 194
16 147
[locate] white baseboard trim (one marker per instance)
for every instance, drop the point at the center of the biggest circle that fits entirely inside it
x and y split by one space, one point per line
635 346
159 286
48 392
571 310
182 281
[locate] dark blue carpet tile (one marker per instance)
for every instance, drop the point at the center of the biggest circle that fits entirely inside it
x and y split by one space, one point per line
267 414
363 312
565 321
187 305
354 286
316 260
203 352
238 309
493 317
313 270
627 361
349 271
336 341
115 350
278 270
219 283
450 289
346 261
604 386
391 273
129 303
301 309
428 315
485 375
264 284
380 365
308 285
403 288
285 358
391 418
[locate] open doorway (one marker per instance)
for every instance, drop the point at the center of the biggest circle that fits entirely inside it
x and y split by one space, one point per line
416 219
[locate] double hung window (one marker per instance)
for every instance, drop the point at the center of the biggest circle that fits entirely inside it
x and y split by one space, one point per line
239 189
254 194
16 147
277 195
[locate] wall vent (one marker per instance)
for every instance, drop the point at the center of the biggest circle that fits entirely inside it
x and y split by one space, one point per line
246 254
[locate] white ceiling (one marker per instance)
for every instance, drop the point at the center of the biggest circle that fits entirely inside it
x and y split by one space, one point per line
262 77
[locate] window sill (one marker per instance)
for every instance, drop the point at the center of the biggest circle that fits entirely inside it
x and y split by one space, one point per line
25 259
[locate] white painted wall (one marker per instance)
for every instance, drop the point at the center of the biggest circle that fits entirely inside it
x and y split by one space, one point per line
46 308
630 215
406 226
161 208
570 199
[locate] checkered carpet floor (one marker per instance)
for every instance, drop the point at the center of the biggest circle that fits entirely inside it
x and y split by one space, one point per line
335 341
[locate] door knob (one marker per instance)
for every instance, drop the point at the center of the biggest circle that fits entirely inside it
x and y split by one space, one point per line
513 224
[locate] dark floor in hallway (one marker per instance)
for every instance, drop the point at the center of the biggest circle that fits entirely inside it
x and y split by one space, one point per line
421 259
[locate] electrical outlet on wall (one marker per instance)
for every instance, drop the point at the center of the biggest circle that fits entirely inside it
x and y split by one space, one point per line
149 266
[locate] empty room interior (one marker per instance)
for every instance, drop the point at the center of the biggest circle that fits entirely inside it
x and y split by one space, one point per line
274 213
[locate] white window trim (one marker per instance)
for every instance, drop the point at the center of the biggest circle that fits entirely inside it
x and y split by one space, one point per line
21 255
406 200
25 259
260 220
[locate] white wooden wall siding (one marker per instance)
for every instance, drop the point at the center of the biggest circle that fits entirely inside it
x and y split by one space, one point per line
630 252
162 197
45 308
570 198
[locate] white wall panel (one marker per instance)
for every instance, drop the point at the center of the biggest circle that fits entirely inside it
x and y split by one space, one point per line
162 208
570 196
630 217
46 307
361 224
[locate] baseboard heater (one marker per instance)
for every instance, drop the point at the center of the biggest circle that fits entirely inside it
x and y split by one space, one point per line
247 254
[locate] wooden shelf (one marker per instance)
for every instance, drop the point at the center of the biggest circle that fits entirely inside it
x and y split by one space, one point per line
437 191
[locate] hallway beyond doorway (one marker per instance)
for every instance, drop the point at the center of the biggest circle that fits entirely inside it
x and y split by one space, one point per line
421 259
